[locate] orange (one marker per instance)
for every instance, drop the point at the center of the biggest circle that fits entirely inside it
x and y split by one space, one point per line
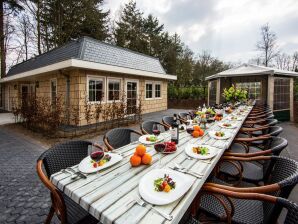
196 128
146 159
140 150
196 134
201 132
135 160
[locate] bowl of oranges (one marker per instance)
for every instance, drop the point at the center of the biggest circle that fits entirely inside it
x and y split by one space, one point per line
197 131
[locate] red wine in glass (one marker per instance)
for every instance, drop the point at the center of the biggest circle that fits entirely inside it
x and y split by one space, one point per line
156 130
189 130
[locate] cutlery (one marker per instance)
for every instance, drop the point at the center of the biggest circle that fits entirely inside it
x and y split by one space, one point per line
187 172
76 173
186 169
142 203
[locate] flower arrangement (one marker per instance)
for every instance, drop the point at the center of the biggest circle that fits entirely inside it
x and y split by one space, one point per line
234 94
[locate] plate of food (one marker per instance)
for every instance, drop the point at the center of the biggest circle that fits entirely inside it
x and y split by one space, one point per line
164 186
98 161
150 139
198 151
219 135
235 118
227 125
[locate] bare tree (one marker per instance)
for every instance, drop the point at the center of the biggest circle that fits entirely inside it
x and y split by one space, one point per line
267 45
283 61
295 62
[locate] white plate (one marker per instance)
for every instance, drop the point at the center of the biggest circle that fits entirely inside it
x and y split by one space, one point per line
142 139
221 124
211 152
86 166
147 192
238 118
226 136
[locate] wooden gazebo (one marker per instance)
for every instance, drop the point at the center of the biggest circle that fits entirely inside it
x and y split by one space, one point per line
271 86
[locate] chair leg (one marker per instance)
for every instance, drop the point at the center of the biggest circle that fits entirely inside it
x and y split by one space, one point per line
50 215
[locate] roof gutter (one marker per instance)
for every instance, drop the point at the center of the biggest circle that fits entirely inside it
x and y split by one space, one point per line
75 63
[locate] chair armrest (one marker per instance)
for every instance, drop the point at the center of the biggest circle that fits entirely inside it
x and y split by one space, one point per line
261 153
254 129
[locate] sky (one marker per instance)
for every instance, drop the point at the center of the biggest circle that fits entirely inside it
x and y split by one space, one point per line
228 29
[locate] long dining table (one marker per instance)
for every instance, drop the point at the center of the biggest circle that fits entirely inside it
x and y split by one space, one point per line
108 194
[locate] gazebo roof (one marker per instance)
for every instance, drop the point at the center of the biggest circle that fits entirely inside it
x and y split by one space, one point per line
249 69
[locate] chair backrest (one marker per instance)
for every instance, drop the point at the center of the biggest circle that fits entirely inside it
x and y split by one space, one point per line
271 122
292 214
284 172
277 144
275 130
64 155
185 115
168 120
119 137
147 126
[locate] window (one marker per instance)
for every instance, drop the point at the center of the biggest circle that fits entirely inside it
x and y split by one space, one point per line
114 89
95 89
157 90
53 91
212 92
253 89
149 90
281 94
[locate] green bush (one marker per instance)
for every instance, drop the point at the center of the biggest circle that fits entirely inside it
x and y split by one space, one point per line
191 92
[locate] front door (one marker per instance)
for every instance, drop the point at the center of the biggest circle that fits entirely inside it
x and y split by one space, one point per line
25 92
132 96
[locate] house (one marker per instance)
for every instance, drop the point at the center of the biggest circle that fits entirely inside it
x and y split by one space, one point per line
266 85
88 69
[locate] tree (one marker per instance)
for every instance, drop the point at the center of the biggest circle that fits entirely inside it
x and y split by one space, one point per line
283 61
7 7
267 45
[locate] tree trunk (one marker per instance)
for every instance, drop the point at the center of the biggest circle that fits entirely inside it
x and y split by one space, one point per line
38 28
2 40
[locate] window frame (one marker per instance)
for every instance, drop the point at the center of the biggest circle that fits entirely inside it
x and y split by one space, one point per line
107 88
259 96
96 78
275 101
153 90
157 83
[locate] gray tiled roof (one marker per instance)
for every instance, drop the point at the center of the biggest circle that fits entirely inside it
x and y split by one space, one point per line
89 49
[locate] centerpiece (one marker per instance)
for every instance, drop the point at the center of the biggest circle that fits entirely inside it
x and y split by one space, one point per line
233 95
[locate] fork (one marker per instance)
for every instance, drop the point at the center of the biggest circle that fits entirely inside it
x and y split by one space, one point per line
78 173
142 203
178 167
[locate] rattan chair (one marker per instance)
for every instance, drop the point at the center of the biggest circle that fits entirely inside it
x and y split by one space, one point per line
119 137
147 127
184 116
53 160
169 120
282 177
250 171
263 200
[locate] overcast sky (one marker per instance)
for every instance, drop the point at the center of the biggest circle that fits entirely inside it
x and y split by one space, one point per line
228 29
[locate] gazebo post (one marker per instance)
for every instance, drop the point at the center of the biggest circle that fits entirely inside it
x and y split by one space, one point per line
292 99
270 91
218 91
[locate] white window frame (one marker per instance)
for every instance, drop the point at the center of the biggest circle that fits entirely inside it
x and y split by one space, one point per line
160 84
51 80
96 78
107 89
138 88
153 90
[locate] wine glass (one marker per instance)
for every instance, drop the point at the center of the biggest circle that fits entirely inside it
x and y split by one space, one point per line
159 148
156 130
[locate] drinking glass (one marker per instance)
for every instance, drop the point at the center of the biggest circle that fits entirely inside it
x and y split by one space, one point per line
159 148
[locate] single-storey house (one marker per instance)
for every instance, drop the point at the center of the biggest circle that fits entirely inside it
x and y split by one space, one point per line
87 69
266 85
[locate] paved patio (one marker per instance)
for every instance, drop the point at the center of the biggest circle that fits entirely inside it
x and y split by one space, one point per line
23 198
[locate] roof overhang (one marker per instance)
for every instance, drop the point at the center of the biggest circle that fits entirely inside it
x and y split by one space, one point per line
75 63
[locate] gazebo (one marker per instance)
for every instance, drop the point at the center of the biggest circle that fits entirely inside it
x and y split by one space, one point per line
266 85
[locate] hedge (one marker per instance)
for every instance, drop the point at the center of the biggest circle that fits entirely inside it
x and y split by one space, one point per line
191 92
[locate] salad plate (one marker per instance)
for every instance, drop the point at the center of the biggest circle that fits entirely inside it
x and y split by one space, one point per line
150 139
88 165
219 135
235 118
164 186
227 125
200 151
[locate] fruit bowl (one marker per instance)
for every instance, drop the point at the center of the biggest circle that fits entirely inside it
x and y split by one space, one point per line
170 147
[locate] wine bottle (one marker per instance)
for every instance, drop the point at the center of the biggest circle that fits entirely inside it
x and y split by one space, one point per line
175 130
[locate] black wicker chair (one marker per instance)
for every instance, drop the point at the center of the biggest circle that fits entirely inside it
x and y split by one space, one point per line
267 200
119 137
53 160
147 127
250 171
184 116
282 177
168 121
